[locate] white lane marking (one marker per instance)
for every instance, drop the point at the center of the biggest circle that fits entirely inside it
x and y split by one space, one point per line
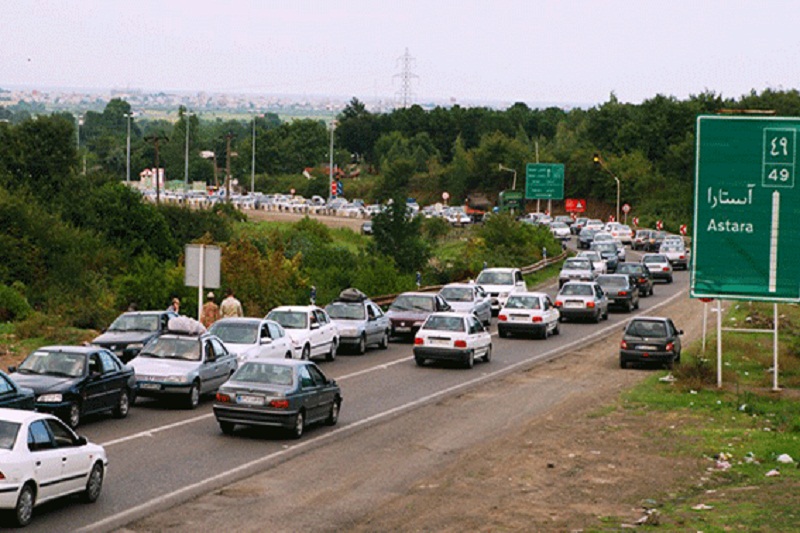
150 432
175 497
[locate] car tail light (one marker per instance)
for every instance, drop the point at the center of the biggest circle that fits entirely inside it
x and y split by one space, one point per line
222 397
418 341
666 269
460 344
279 404
537 319
559 303
642 280
670 347
2 476
682 257
590 305
623 345
623 293
502 318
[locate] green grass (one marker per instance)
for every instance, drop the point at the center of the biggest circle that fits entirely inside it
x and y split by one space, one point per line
545 275
744 419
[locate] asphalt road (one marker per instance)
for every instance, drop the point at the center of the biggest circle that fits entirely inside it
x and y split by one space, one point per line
162 455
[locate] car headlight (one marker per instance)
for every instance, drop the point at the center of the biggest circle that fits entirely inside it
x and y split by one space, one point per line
135 346
418 323
50 398
349 332
503 294
176 379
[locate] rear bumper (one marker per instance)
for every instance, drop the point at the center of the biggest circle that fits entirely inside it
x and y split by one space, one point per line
441 354
537 328
254 417
638 356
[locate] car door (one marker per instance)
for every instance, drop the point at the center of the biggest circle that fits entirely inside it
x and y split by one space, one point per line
326 331
223 362
266 344
280 340
95 387
114 376
675 333
325 393
9 395
601 298
75 462
550 315
46 461
476 339
208 369
309 393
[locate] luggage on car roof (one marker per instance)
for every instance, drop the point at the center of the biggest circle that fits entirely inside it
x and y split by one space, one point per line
185 325
352 295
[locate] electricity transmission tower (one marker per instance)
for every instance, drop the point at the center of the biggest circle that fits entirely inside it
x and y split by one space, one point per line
405 94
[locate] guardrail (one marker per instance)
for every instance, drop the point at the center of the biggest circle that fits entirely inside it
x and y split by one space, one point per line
387 299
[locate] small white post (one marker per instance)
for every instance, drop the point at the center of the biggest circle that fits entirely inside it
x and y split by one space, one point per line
775 348
705 322
719 343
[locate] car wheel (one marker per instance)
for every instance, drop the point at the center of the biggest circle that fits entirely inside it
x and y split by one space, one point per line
94 484
331 355
598 317
488 355
384 344
333 415
227 427
123 404
629 306
543 335
557 329
502 333
299 425
636 305
605 314
669 279
194 396
362 345
470 362
23 511
420 361
288 355
623 363
306 355
74 416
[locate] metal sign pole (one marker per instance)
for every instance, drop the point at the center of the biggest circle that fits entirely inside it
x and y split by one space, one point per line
200 283
719 343
705 321
775 348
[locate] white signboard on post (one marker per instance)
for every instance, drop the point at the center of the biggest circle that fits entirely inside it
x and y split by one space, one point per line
202 269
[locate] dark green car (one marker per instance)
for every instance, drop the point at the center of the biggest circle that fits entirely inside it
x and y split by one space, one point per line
14 396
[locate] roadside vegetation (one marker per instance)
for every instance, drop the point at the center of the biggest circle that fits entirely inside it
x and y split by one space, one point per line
740 433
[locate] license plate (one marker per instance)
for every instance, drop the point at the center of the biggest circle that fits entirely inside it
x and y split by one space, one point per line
402 328
519 318
573 304
646 347
439 342
150 386
249 399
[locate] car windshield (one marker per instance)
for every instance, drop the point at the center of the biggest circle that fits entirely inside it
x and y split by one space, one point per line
184 348
591 256
628 268
571 289
55 363
577 264
236 333
412 302
346 310
602 237
624 229
135 322
612 281
444 323
646 328
523 302
289 319
266 373
654 259
489 277
8 434
457 294
588 232
604 247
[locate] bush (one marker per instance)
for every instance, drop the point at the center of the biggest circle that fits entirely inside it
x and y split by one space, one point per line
39 325
13 305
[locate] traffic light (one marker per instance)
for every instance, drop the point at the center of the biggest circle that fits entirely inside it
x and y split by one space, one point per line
339 188
334 189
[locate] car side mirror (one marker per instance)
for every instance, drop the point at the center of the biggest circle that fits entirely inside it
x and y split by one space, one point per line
315 325
12 368
266 340
81 441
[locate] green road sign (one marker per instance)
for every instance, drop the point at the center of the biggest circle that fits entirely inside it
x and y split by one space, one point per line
511 200
746 241
544 181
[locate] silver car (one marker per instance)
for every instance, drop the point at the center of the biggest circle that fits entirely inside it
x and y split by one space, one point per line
659 266
361 323
577 269
582 300
468 298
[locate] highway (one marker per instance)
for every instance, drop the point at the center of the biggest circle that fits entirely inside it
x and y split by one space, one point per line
162 455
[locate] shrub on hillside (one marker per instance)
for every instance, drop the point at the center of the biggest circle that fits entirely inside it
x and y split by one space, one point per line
13 305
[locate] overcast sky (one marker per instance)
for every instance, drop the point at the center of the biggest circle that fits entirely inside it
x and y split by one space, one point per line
576 52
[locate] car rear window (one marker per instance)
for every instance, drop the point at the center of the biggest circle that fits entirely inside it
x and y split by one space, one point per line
444 323
495 278
612 281
577 290
523 302
647 328
8 434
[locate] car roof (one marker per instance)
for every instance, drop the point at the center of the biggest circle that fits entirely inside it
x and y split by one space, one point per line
281 362
451 313
529 293
296 308
21 416
66 348
145 313
650 318
579 283
418 293
240 320
460 286
499 269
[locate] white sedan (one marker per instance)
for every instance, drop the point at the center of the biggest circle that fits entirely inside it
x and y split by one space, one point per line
42 459
600 264
250 338
312 331
529 312
451 336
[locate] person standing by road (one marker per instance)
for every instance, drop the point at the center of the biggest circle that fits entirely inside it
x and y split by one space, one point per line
230 307
210 312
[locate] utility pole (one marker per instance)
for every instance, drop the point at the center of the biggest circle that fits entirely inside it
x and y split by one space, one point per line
155 139
186 116
253 161
228 138
128 148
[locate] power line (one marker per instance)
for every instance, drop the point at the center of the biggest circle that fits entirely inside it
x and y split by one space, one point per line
405 95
